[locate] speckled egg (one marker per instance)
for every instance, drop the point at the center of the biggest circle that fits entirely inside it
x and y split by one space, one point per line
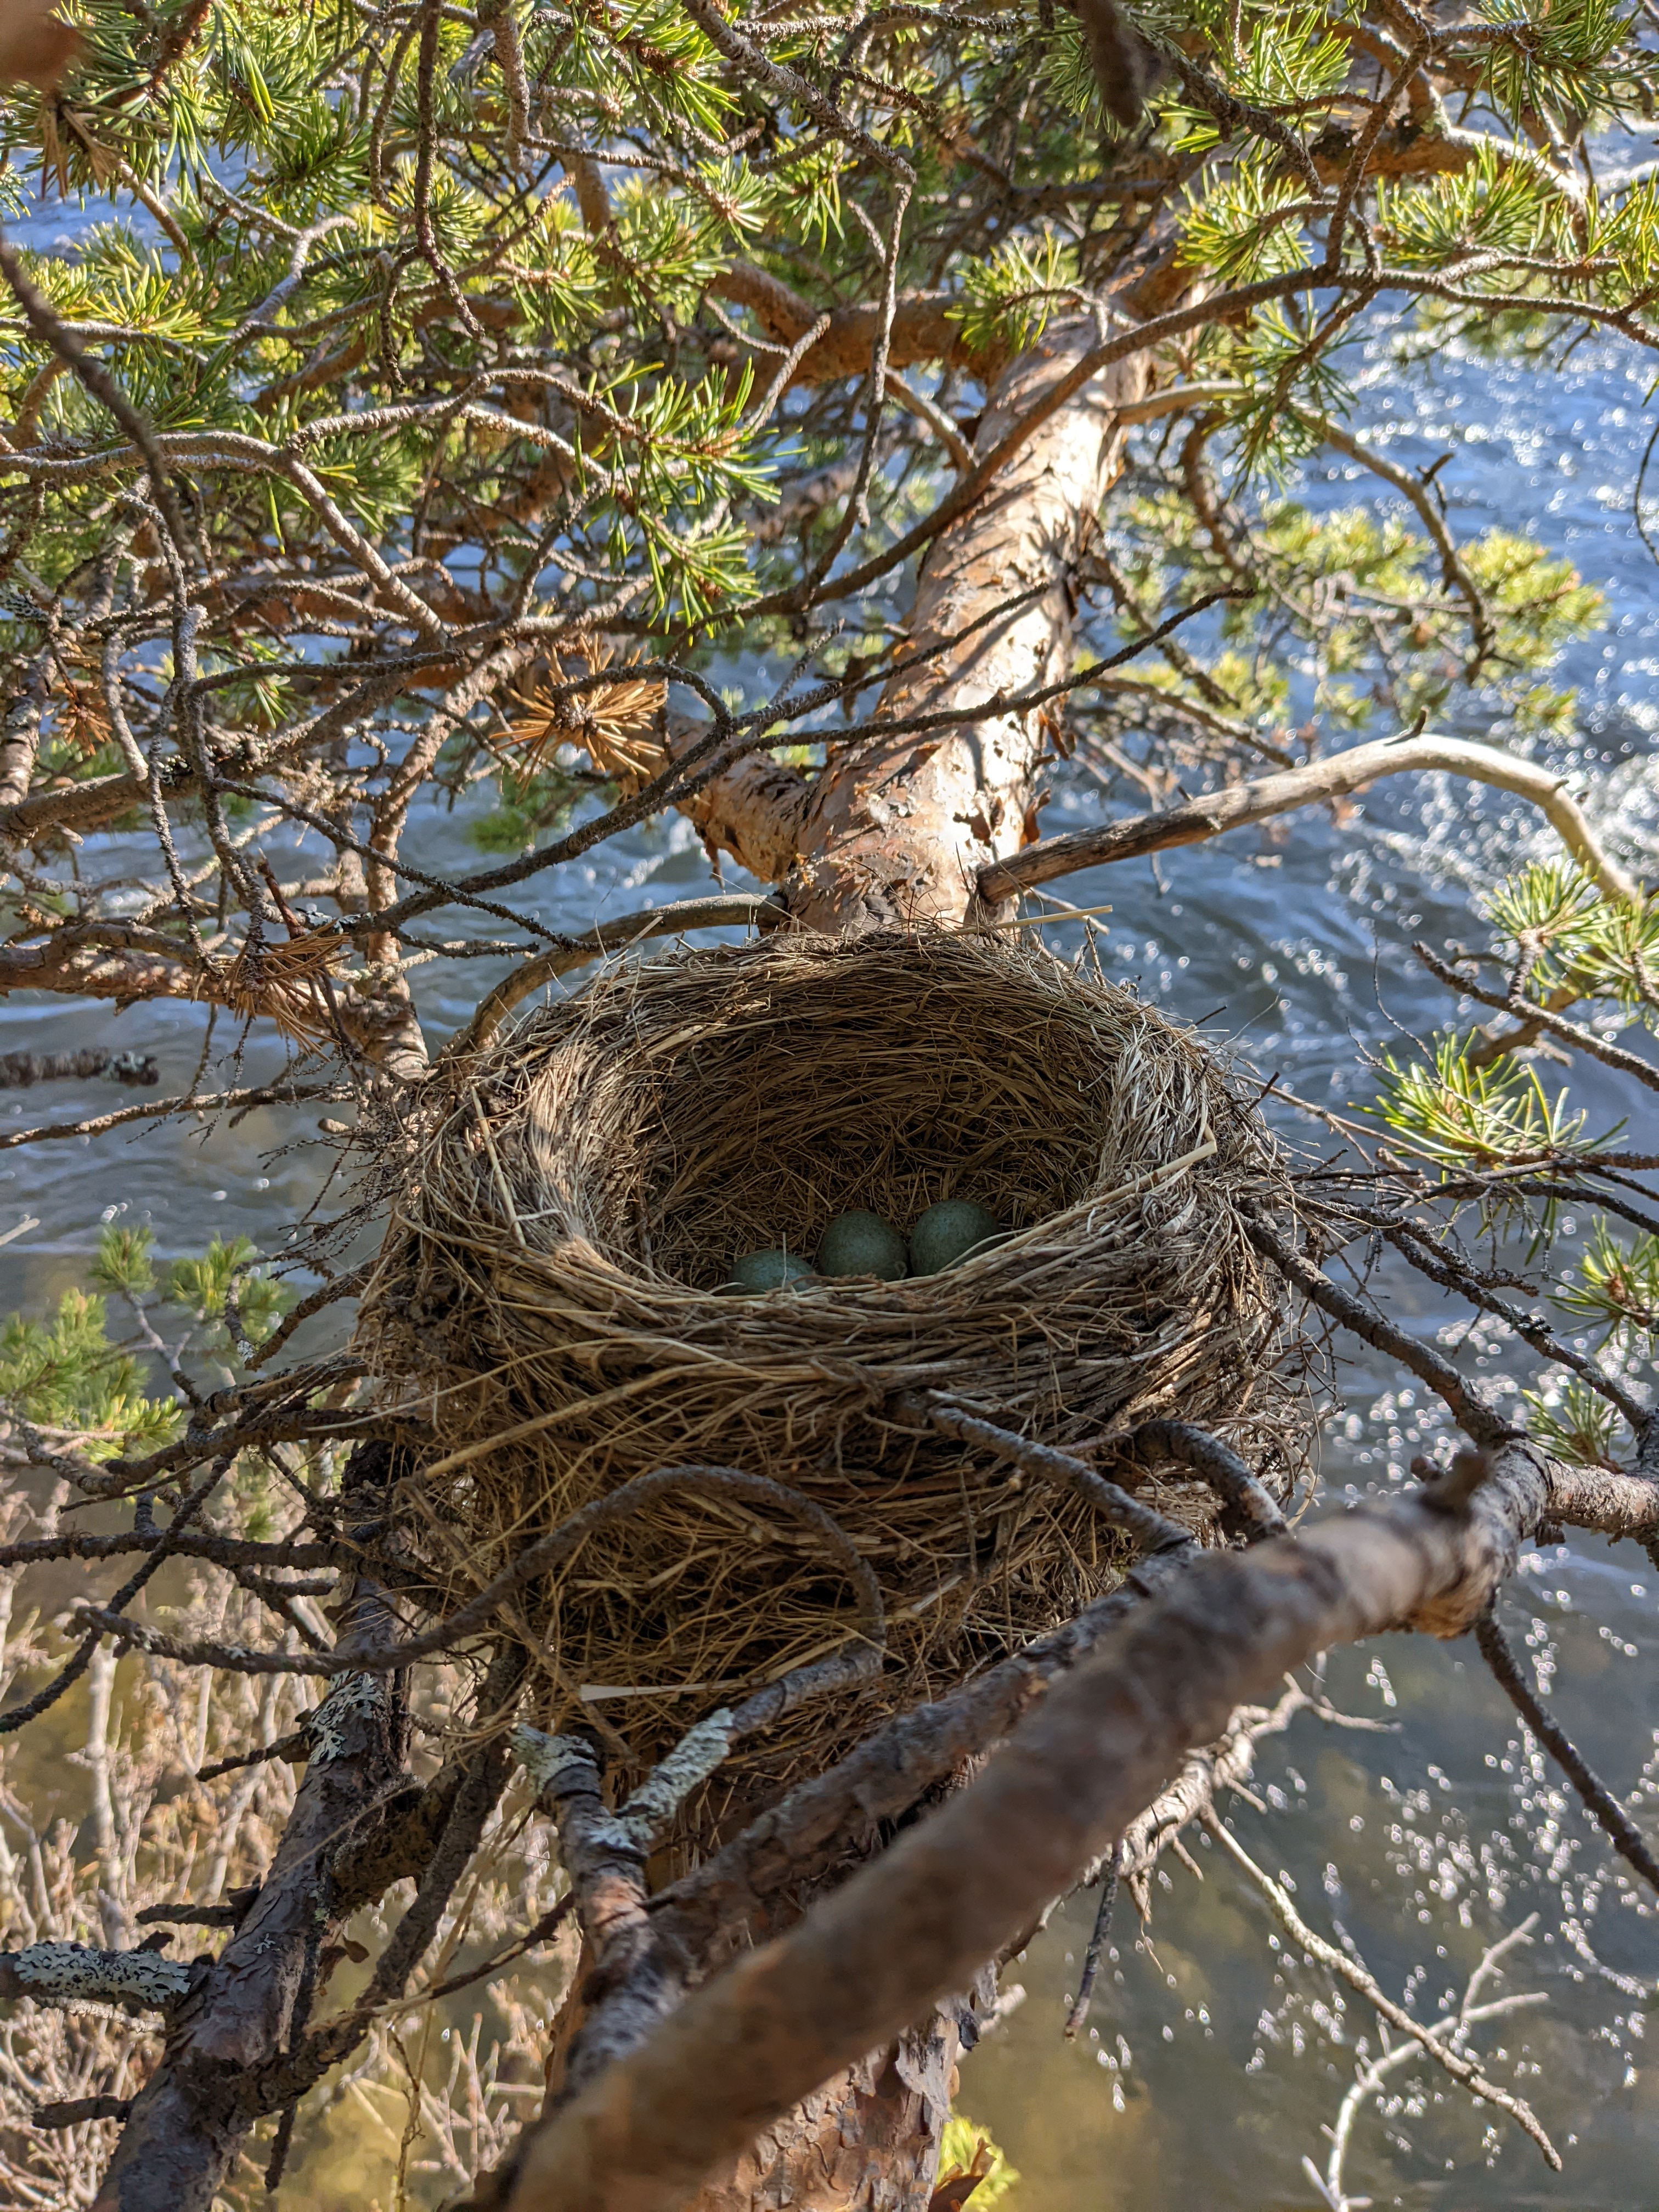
948 1233
769 1270
860 1244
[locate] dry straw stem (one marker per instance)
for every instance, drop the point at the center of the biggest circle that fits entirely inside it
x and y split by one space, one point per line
685 1110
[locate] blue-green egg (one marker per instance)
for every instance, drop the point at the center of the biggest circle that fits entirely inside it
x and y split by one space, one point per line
860 1244
756 1272
948 1233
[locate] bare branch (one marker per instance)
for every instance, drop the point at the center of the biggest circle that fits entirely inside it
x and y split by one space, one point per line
1536 1017
1077 2018
1462 2070
1469 1405
1603 1806
76 1973
19 1070
1151 1529
207 1102
1241 804
199 2105
604 941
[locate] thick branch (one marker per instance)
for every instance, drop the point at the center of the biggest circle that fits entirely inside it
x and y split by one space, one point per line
952 1891
1603 1498
798 1841
19 1070
195 2110
900 829
76 1974
1245 803
922 331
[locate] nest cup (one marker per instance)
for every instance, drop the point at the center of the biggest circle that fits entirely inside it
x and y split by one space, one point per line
547 1305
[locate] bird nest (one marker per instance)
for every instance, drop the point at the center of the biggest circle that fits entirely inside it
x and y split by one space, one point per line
548 1306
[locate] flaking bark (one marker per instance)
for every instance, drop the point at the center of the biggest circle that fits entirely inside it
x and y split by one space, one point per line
193 2114
899 830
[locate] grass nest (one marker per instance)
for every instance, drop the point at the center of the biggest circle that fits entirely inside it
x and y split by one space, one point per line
548 1303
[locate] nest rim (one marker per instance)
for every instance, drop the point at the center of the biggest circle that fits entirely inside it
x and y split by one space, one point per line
592 1325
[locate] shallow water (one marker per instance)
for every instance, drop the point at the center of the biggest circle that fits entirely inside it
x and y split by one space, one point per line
1214 2058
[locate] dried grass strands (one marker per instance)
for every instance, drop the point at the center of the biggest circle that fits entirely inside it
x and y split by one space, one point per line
548 1294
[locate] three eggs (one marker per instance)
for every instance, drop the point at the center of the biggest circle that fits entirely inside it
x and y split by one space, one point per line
862 1243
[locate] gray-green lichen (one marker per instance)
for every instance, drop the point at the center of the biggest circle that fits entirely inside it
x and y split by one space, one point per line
71 1973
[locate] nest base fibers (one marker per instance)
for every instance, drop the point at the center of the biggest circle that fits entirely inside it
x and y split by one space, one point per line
547 1299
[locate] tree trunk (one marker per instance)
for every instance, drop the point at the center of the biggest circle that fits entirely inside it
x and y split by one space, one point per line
868 2139
895 833
193 2116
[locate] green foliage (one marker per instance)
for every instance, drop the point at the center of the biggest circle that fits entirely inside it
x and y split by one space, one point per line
1287 378
66 1374
1556 57
69 1373
122 1264
1249 226
1333 581
650 463
1463 1116
967 2148
203 1283
1068 74
1303 57
1575 1424
1008 298
1615 1286
1578 945
1490 206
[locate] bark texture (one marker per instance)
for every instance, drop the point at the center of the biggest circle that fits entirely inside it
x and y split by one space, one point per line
899 831
867 2141
959 1887
922 331
191 2116
1238 805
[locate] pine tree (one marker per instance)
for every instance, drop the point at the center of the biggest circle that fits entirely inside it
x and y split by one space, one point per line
442 401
